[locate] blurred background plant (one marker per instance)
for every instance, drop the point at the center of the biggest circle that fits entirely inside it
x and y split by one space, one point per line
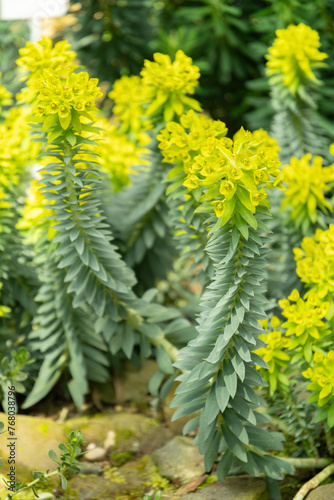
226 39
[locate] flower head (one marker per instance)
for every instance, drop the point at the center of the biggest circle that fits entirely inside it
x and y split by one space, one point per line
322 377
118 156
65 94
294 55
306 185
128 110
315 262
16 150
5 95
304 321
166 83
275 354
37 56
227 171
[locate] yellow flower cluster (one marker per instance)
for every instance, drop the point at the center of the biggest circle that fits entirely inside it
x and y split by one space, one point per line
65 95
274 354
129 110
118 155
37 56
229 171
4 203
294 55
304 321
16 150
322 377
166 83
34 221
161 90
5 95
315 262
306 185
181 143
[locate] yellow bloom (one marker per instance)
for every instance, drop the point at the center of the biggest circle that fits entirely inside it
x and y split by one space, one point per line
36 56
305 321
128 110
118 156
35 220
315 262
222 167
17 151
306 185
5 95
55 93
166 83
294 55
274 354
322 377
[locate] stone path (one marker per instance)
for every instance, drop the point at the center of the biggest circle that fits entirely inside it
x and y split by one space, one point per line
129 455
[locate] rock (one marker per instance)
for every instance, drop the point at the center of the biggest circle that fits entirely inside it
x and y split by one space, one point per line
325 492
179 460
133 384
91 446
90 469
95 455
132 480
240 488
110 440
35 437
133 432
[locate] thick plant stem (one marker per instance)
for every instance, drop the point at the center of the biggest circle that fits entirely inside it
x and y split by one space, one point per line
329 442
314 482
308 463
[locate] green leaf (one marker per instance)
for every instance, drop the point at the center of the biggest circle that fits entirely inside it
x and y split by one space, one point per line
244 197
222 394
230 377
76 121
212 452
65 122
229 209
224 465
71 137
164 361
211 408
241 225
234 444
49 121
53 456
190 426
248 216
56 132
63 481
235 426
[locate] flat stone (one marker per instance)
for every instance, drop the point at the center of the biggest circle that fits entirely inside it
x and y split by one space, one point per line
132 480
234 488
95 455
110 440
179 460
325 492
133 432
90 469
133 384
35 437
